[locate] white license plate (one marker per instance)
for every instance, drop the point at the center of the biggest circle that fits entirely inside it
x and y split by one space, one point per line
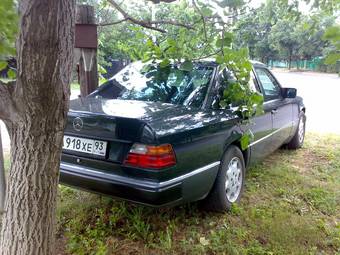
85 145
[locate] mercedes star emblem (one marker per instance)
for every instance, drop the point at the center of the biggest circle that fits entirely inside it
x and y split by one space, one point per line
78 124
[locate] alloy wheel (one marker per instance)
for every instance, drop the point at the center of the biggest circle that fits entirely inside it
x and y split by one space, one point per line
301 131
234 179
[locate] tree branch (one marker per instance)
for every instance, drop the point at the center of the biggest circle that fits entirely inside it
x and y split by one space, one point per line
207 56
112 23
146 24
164 1
203 19
133 20
171 22
158 22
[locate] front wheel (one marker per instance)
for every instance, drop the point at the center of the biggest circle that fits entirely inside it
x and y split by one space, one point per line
229 183
299 136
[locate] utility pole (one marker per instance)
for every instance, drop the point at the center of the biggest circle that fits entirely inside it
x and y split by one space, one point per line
86 43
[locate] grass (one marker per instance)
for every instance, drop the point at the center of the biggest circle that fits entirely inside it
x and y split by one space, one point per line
75 86
6 162
291 205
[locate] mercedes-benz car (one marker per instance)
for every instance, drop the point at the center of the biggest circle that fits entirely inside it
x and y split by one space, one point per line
158 136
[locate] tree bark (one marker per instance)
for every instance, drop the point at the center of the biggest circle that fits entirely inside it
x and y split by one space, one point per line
35 113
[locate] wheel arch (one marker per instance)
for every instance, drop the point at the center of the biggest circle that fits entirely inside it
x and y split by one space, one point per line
237 142
245 153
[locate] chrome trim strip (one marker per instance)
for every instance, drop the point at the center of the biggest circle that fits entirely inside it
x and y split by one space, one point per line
185 176
131 181
269 135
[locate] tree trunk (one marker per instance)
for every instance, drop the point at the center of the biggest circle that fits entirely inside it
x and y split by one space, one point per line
28 226
290 59
34 110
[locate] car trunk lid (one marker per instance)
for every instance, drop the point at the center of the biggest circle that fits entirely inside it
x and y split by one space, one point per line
117 123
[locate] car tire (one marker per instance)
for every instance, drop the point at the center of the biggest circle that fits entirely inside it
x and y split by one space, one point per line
299 136
229 183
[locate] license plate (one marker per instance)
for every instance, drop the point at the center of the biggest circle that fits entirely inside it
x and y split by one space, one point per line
90 146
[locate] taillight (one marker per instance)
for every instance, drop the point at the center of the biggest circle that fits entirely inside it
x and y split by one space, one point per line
151 156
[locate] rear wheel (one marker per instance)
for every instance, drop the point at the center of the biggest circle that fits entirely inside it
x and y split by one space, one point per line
228 186
299 136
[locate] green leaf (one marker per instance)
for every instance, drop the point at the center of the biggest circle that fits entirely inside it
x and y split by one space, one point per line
145 69
8 27
332 33
11 74
101 69
247 65
206 11
219 59
149 43
332 58
256 98
164 63
139 35
102 79
219 43
172 50
245 141
187 66
224 4
225 41
3 65
226 92
223 104
259 110
171 42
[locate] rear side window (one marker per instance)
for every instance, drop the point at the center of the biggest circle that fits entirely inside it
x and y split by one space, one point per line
224 80
152 83
252 83
271 88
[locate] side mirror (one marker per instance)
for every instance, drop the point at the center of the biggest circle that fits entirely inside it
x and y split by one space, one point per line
288 92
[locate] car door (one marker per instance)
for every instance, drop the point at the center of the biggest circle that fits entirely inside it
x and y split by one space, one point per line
279 107
261 127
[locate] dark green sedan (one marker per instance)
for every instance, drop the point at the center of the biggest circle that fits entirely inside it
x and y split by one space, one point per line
159 137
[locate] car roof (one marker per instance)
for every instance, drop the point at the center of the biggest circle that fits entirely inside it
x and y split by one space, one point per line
213 62
257 63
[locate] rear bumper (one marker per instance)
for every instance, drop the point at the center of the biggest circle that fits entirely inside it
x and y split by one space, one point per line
185 188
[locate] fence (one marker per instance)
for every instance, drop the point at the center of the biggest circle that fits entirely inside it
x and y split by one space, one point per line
315 64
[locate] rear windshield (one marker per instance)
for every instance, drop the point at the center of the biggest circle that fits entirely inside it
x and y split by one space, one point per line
149 82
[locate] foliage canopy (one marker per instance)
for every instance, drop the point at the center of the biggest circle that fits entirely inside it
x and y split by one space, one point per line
8 30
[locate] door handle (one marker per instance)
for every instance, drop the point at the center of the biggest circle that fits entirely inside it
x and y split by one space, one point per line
274 111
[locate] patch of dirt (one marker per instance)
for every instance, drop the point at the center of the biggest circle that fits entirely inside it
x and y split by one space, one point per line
306 160
60 246
130 247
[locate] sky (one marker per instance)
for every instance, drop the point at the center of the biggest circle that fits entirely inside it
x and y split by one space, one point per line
303 6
